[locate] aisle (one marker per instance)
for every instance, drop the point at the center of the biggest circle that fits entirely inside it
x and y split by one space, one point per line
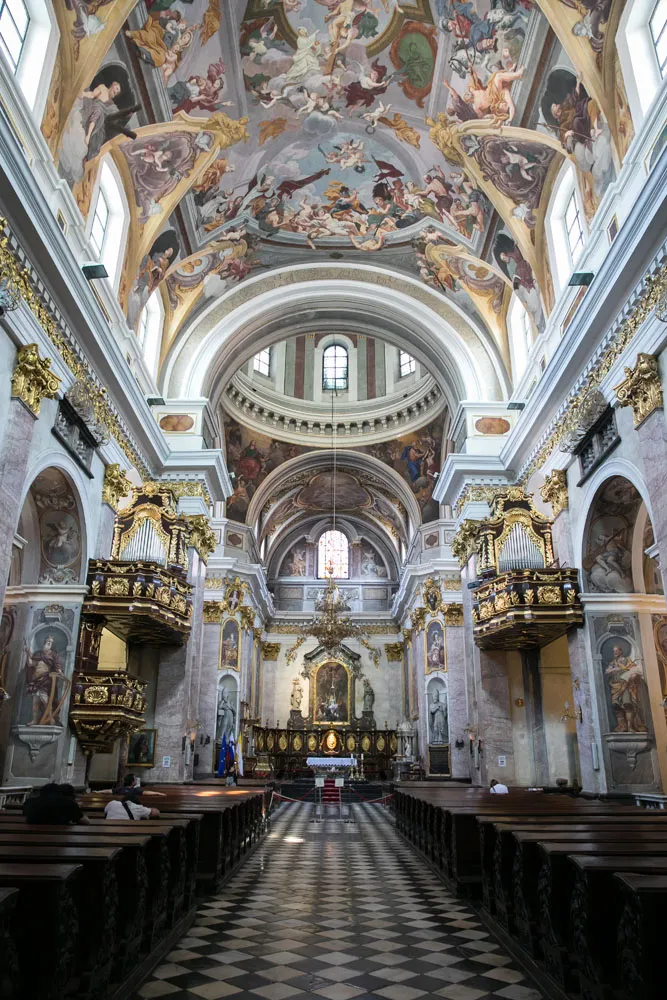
338 911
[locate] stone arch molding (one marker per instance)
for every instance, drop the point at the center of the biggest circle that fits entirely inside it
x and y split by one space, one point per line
267 308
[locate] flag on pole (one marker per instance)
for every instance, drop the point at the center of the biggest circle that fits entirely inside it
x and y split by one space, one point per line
230 754
239 755
222 761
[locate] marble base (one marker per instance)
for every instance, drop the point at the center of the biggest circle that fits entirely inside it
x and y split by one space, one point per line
296 720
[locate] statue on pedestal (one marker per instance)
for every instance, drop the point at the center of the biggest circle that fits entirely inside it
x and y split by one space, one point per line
368 700
297 695
226 715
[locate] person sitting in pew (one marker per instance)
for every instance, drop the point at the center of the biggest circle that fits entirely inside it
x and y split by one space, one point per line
128 807
131 783
54 804
497 788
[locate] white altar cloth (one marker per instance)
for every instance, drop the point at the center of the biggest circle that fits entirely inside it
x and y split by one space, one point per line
330 761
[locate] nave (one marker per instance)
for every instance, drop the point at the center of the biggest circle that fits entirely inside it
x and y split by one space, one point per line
336 910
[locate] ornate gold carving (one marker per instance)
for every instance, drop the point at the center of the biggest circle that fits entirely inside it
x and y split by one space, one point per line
247 617
294 628
365 743
258 632
418 619
453 614
548 595
297 742
465 542
116 485
270 650
451 584
180 488
95 695
554 491
117 587
475 492
641 388
33 379
529 596
312 742
432 595
212 612
201 537
213 583
394 651
282 742
407 635
514 522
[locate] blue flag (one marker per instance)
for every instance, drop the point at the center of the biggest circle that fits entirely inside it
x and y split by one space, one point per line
222 762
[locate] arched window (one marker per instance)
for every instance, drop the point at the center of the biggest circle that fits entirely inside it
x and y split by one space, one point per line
566 232
521 336
261 363
28 43
406 364
333 556
334 367
107 222
149 331
641 42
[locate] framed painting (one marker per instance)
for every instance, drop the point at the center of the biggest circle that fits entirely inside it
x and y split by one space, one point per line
331 695
434 647
230 645
141 748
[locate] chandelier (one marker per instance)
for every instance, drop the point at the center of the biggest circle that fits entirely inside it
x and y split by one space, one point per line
329 627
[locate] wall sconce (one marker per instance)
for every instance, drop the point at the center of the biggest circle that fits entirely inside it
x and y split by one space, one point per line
568 716
459 744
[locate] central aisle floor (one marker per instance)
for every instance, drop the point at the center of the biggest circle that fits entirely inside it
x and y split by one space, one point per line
341 911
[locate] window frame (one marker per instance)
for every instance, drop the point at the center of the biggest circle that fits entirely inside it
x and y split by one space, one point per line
574 247
662 36
322 555
98 247
407 365
339 382
261 363
6 9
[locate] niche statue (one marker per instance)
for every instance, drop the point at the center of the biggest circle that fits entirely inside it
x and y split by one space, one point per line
369 696
226 715
296 696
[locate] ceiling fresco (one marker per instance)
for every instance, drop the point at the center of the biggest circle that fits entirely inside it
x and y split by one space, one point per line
426 134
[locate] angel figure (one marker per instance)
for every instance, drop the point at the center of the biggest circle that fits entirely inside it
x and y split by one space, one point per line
350 153
373 117
199 93
368 85
493 99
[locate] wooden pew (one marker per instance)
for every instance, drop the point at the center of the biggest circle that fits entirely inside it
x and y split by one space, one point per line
555 889
10 979
46 927
641 936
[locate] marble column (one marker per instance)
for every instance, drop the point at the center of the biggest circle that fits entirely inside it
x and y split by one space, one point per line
588 736
14 459
532 686
177 684
457 701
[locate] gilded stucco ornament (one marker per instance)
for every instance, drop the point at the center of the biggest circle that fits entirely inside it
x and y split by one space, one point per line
247 617
202 537
465 542
33 380
116 485
641 388
453 614
212 612
270 650
394 651
418 618
554 491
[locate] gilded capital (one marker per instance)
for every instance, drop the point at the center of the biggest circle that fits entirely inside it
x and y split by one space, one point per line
453 614
33 379
394 651
407 635
116 485
201 535
270 650
641 388
247 617
418 618
554 491
465 542
213 611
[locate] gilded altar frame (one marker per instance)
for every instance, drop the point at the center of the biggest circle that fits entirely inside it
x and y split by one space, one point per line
313 692
239 636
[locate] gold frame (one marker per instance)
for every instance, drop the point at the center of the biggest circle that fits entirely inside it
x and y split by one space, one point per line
428 669
138 733
313 691
227 666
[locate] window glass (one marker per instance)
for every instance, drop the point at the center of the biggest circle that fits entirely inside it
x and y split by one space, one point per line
262 362
333 555
142 327
14 22
334 367
575 232
658 26
98 230
406 364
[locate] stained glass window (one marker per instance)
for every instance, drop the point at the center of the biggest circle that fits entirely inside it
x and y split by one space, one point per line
333 556
334 367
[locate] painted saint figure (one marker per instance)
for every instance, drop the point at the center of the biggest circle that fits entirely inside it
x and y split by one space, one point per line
625 682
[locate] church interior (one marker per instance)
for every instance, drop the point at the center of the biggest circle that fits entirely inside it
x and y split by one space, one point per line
333 451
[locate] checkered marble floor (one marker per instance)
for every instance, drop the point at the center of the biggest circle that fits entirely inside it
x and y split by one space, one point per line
336 910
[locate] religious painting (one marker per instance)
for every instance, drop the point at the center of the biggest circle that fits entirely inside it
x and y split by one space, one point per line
371 562
158 163
518 271
608 552
434 647
60 532
99 113
141 748
294 563
416 457
319 493
164 38
46 686
627 694
518 170
153 268
660 639
234 591
230 645
331 693
651 567
438 711
176 423
250 459
60 538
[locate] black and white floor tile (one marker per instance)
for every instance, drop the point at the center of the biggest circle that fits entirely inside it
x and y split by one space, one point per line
340 911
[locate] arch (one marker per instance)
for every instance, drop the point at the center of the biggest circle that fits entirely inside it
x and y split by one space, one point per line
226 719
397 309
609 557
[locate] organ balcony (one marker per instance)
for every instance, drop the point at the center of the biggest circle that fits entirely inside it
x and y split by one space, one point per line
521 599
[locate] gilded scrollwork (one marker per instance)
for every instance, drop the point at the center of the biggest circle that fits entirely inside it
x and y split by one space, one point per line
201 535
116 485
641 388
32 379
554 491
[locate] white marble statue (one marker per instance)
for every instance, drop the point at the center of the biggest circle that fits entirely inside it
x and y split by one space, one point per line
297 695
439 722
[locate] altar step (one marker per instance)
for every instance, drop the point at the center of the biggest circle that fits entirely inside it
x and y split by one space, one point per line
330 794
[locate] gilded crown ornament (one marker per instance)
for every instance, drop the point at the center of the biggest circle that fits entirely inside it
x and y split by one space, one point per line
554 491
33 380
641 388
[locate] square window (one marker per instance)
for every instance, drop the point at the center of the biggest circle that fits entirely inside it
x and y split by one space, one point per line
262 362
406 364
